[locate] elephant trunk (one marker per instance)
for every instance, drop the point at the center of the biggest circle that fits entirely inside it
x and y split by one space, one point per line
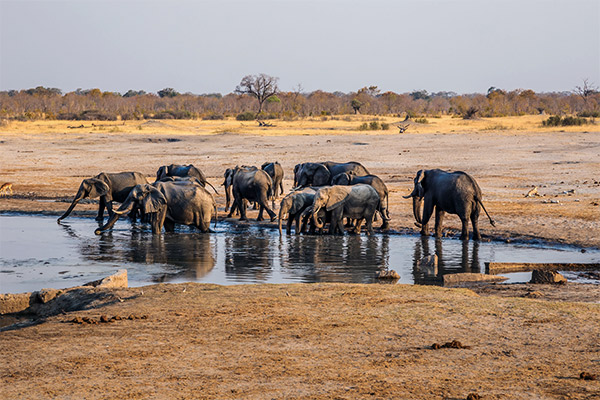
417 204
124 209
282 212
78 197
208 183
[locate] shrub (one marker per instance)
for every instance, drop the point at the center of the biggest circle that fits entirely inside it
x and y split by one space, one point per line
470 113
245 116
373 126
213 117
421 121
589 114
556 120
385 126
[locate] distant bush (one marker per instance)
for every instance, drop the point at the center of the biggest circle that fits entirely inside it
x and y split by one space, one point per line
421 121
589 114
170 114
246 116
87 115
556 120
373 126
213 117
470 113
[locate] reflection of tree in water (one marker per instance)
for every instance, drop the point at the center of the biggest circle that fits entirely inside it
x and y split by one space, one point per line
248 256
446 264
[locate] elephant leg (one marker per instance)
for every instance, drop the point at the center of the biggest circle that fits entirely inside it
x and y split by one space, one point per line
101 206
281 187
263 201
439 219
169 225
289 223
464 235
261 209
358 226
427 211
475 224
242 205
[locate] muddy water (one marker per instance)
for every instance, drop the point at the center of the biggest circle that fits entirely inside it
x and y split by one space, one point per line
36 253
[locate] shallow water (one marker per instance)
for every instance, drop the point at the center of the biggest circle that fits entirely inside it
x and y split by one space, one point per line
36 253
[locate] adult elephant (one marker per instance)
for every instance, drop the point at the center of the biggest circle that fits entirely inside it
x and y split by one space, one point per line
275 171
293 205
321 174
228 184
109 187
356 202
169 203
251 185
348 179
183 171
448 192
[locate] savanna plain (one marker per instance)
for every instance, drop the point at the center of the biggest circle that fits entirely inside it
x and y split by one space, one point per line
320 340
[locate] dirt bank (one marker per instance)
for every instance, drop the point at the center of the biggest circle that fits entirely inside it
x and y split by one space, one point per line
307 341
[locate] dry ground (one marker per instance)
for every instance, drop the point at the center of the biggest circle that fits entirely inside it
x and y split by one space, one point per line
320 340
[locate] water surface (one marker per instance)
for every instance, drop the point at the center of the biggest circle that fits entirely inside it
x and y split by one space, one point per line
36 253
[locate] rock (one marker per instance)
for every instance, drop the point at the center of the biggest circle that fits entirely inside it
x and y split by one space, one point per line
587 376
533 294
540 276
387 274
455 344
464 277
45 295
429 265
473 396
533 192
117 280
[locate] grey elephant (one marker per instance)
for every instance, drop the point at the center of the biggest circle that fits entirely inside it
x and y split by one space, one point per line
356 202
293 205
447 192
321 174
169 203
109 187
348 179
228 184
251 185
275 171
183 171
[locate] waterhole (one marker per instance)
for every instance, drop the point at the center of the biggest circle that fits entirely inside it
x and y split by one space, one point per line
36 253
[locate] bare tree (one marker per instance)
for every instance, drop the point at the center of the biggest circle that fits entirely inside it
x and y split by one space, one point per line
586 90
260 86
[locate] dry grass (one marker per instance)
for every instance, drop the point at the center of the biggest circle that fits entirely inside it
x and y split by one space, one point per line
307 126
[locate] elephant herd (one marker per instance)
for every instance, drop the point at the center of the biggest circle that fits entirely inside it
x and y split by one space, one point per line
340 195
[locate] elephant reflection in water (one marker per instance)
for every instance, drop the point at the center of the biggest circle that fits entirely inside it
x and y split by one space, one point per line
184 254
445 265
248 256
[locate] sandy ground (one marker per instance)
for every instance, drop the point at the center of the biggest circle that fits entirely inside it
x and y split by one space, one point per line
321 340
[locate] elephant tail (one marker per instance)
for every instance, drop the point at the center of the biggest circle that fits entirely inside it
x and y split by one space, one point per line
216 215
492 222
208 183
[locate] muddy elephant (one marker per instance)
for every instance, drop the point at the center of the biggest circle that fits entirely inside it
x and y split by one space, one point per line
109 187
169 203
293 205
275 171
183 171
356 202
321 174
254 186
348 179
447 192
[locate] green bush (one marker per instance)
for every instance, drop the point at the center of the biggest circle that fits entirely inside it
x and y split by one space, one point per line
556 120
421 121
213 117
246 116
373 126
385 126
589 114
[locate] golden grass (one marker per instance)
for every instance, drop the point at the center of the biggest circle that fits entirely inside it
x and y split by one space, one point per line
327 125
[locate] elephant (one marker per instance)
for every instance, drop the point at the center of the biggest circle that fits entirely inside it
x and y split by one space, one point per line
251 185
321 174
169 203
348 178
228 184
275 171
109 187
182 170
448 192
357 202
293 205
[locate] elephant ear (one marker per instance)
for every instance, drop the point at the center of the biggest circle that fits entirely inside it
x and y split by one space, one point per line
336 198
161 172
153 201
97 188
322 176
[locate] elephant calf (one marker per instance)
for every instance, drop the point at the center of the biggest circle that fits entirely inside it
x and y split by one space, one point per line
169 203
107 186
294 205
447 192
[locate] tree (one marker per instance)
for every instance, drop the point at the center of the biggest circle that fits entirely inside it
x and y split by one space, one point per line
168 92
262 87
356 105
585 91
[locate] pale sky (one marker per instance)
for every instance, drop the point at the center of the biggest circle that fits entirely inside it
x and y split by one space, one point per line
333 45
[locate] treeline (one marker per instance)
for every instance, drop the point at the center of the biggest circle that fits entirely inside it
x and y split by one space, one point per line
94 104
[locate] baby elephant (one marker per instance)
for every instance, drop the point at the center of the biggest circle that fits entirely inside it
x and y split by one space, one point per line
447 192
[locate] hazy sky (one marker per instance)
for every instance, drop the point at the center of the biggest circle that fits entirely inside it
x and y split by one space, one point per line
208 46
